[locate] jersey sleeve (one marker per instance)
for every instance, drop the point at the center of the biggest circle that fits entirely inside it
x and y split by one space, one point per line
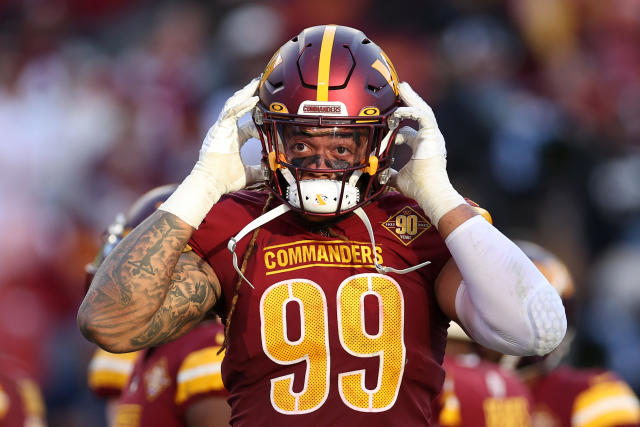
608 401
200 376
108 373
21 399
32 400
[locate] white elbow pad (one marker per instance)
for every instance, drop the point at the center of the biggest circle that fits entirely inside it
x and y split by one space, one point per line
504 302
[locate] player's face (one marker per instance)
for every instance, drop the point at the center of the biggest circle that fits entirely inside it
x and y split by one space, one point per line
324 148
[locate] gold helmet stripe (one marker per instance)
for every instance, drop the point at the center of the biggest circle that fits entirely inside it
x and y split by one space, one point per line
325 63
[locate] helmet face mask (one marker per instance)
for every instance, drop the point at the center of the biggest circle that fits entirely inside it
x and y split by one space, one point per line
325 101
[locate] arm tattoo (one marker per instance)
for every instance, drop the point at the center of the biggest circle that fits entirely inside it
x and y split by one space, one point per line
147 291
184 306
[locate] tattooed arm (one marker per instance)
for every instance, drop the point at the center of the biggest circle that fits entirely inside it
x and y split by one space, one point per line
147 291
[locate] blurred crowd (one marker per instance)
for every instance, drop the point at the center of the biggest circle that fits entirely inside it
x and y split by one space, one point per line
538 100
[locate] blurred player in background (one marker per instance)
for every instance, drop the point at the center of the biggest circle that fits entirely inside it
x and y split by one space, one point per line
565 396
107 375
175 384
21 403
477 391
337 304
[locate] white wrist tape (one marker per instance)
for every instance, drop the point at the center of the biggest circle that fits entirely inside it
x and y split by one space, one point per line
436 196
194 197
504 302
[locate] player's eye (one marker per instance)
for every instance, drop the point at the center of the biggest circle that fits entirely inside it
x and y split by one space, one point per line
342 150
299 146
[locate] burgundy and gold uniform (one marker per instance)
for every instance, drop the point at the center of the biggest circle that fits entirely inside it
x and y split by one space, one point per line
568 397
166 379
323 339
108 373
481 394
21 402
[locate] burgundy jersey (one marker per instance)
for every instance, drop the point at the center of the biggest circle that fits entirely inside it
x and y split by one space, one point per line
481 394
21 402
166 379
568 397
323 339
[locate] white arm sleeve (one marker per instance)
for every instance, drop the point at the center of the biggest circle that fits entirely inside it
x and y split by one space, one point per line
504 302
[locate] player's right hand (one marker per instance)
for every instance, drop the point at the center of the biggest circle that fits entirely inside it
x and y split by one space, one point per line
220 153
219 169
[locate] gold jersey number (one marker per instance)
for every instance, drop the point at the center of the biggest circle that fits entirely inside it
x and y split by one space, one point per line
312 346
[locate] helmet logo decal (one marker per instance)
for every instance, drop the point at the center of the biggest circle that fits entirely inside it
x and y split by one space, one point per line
325 108
369 111
320 198
276 60
325 63
394 74
385 67
278 107
407 225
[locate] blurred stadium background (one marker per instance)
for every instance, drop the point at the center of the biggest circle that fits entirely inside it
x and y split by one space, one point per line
101 100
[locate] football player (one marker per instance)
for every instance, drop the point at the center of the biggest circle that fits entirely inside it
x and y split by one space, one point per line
565 396
174 384
477 391
336 293
21 402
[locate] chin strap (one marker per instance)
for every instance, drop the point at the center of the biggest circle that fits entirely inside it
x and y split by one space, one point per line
381 268
258 222
276 212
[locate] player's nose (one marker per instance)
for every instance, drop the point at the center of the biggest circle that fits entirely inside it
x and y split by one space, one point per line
321 163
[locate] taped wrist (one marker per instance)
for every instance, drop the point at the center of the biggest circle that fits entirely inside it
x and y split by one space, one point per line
194 197
436 195
504 302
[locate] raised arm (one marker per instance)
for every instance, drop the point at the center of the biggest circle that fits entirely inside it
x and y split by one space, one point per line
148 291
490 286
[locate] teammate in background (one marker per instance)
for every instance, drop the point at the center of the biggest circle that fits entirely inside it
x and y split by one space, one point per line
21 403
479 392
337 305
107 375
565 396
174 384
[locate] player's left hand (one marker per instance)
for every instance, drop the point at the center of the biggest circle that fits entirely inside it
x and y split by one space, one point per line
424 178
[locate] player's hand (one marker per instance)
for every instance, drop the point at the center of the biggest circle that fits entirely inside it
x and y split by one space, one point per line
220 152
219 169
424 178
